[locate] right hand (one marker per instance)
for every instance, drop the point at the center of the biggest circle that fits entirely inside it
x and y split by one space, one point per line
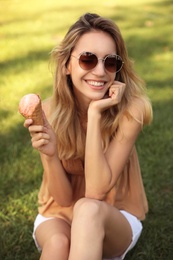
43 137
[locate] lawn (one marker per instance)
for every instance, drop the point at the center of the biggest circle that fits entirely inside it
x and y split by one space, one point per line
28 31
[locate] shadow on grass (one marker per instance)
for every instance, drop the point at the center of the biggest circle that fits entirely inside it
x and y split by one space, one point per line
20 164
19 64
4 113
20 178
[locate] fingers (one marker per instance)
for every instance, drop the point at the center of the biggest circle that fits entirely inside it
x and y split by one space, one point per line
27 123
39 143
116 91
36 129
39 137
43 137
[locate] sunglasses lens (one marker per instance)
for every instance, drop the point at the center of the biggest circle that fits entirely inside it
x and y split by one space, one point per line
113 63
88 60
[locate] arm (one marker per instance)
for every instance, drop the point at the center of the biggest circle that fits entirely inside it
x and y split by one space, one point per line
58 183
44 140
103 169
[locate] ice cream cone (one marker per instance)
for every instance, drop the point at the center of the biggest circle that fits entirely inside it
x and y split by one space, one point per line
37 116
30 107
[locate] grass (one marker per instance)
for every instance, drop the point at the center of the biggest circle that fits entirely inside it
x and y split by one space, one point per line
28 32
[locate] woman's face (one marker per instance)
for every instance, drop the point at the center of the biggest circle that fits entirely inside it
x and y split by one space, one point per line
91 84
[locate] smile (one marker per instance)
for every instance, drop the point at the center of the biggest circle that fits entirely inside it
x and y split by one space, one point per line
96 83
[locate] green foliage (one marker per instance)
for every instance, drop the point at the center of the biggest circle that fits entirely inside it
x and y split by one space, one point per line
28 32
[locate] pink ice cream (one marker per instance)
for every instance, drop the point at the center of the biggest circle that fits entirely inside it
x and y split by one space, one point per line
30 107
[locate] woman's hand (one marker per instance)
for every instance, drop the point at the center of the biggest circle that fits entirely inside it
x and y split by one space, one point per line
114 97
42 137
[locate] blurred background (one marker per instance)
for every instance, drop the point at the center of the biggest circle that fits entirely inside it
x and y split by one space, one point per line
28 31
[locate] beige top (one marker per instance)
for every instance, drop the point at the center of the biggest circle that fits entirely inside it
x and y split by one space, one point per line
128 193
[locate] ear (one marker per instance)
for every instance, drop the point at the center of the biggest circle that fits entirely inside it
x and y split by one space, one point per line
68 68
67 71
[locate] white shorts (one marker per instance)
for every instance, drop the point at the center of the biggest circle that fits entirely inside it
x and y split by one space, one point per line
135 224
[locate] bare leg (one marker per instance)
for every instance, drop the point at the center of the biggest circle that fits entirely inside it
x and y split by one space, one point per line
53 237
98 229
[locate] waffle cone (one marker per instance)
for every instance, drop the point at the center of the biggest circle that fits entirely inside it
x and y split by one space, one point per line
37 115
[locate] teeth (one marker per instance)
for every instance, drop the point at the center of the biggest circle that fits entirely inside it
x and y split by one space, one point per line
96 83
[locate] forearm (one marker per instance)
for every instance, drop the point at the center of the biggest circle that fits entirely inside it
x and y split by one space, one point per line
58 183
97 171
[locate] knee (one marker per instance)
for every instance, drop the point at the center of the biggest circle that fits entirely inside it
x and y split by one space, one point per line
58 243
88 209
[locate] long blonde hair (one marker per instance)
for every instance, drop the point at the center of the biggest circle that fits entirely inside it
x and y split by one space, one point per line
65 115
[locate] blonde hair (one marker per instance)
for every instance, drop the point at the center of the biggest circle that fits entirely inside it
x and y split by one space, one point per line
65 115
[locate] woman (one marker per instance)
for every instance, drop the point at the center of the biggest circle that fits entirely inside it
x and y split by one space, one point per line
92 198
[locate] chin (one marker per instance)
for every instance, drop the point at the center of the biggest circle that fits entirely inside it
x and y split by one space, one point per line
97 96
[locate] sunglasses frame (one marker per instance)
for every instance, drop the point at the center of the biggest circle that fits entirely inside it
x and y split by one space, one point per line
103 59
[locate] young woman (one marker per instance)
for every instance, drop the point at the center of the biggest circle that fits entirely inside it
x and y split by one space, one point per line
92 200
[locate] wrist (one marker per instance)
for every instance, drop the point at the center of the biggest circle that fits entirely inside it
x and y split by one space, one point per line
93 112
48 158
94 117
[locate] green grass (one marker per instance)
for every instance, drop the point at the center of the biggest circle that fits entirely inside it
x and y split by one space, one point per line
28 32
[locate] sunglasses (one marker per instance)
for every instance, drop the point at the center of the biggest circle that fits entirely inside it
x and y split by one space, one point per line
88 61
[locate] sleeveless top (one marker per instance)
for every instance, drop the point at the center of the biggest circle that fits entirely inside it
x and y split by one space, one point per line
127 194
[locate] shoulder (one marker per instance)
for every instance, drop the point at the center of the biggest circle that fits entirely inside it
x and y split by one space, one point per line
141 110
136 110
46 104
131 122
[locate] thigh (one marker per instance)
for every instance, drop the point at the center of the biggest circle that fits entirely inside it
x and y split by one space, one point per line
118 232
51 227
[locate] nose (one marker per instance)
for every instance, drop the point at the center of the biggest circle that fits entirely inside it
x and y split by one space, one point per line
99 69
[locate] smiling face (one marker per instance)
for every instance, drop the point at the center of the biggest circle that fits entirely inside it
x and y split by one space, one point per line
91 84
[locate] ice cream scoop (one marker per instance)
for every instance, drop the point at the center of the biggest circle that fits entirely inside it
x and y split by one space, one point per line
30 107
